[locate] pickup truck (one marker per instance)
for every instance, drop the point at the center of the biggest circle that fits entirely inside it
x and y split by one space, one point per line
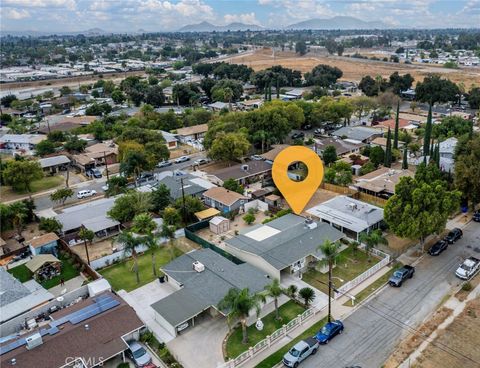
468 268
406 272
301 351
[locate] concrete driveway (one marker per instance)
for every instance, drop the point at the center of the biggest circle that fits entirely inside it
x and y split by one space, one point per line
320 300
140 299
201 346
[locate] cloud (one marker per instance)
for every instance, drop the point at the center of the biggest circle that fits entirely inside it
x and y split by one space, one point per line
68 4
246 18
16 14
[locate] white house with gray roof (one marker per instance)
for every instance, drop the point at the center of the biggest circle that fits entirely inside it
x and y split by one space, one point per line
358 133
283 246
202 278
348 215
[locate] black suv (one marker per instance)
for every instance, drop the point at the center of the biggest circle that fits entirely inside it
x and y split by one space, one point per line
298 135
476 216
438 248
454 235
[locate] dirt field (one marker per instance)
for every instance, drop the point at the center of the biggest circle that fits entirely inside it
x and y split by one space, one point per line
353 69
462 336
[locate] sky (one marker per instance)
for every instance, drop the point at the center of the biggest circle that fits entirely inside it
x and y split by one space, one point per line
170 15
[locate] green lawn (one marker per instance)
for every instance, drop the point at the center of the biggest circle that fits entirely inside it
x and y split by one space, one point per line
23 274
276 357
349 267
288 311
47 182
121 275
365 293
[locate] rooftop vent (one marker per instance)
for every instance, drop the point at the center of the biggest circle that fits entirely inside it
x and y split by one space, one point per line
352 206
34 341
309 223
199 267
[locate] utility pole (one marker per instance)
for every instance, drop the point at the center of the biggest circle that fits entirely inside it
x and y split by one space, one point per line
106 165
183 201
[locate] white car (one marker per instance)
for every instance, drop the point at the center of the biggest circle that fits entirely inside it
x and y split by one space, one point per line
468 268
201 161
256 158
86 193
182 159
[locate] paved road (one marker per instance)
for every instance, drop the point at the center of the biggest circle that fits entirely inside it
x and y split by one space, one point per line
369 338
44 201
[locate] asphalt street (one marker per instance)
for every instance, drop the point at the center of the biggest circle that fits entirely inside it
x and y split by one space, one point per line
373 331
43 202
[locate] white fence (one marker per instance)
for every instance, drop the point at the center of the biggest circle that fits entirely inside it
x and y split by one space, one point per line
256 205
269 340
362 277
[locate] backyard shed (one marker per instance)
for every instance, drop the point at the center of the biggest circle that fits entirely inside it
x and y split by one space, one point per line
219 224
44 244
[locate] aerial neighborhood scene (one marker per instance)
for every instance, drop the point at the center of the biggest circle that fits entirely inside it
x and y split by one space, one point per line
240 183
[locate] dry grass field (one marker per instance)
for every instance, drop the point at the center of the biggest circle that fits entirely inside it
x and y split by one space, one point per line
353 69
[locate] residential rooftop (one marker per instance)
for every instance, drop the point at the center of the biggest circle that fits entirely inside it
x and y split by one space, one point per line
359 133
242 171
224 196
53 161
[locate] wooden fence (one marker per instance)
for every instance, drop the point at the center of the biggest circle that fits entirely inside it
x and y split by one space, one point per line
361 196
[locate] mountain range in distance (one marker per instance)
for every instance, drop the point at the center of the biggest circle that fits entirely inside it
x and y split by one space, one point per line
209 27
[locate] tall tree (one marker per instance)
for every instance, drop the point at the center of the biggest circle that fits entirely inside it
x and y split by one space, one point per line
130 243
274 290
428 134
329 155
331 251
397 123
61 195
143 224
467 170
405 159
388 151
238 304
20 174
86 235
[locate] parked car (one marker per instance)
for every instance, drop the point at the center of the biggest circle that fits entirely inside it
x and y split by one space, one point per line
318 132
468 268
164 164
306 127
145 176
256 158
438 248
86 193
454 235
139 354
182 159
406 272
476 216
201 161
298 135
301 351
94 173
329 331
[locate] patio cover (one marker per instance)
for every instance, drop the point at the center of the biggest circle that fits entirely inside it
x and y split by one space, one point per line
205 214
38 261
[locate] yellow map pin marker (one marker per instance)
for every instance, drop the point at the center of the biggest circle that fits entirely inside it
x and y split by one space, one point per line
297 193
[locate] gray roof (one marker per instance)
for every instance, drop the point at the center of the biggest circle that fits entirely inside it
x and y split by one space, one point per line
348 212
236 172
99 223
74 217
169 137
175 186
291 240
341 146
17 298
204 289
53 161
358 133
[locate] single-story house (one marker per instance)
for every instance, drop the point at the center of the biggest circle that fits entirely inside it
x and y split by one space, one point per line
358 133
95 155
223 199
218 106
191 133
342 146
21 142
67 123
84 335
348 215
192 186
251 104
296 93
202 278
170 140
447 147
243 173
219 225
17 298
382 142
44 244
91 215
276 149
54 163
283 246
381 182
390 123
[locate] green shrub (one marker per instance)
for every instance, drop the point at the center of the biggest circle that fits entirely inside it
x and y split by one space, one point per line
467 286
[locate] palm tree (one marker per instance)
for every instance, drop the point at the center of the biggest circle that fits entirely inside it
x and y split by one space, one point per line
274 290
355 245
307 294
86 234
238 304
130 242
143 224
228 95
330 252
291 291
371 240
168 231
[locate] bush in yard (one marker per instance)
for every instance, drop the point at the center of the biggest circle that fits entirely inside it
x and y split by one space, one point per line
467 286
123 365
249 218
307 294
